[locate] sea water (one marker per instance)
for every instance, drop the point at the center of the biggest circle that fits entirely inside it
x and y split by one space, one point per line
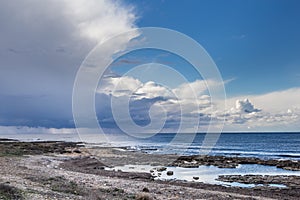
261 145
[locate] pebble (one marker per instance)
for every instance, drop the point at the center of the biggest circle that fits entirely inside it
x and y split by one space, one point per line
170 173
160 169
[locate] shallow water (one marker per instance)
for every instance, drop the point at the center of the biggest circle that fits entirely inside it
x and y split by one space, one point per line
209 174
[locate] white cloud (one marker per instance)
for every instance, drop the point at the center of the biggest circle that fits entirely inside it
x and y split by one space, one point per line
180 103
278 111
274 102
119 86
194 89
241 115
151 90
100 20
7 130
245 106
42 45
44 42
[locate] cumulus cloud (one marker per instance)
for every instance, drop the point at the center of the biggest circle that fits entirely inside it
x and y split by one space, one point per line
151 90
180 103
245 106
119 86
277 116
241 115
273 102
126 85
44 42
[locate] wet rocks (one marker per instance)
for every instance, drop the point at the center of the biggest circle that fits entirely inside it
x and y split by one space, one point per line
76 151
232 162
99 167
195 161
265 180
161 169
170 173
91 165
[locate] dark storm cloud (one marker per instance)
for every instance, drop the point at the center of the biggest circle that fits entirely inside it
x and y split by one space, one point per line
42 45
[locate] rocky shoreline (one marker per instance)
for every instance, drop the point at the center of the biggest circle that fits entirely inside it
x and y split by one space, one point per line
62 170
288 181
233 162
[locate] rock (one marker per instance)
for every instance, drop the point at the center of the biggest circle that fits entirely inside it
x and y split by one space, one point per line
232 162
170 173
196 178
99 167
76 151
160 169
145 189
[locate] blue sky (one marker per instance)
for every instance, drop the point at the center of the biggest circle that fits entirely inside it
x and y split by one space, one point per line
255 45
255 42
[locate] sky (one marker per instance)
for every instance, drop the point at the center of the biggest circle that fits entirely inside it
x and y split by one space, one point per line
255 45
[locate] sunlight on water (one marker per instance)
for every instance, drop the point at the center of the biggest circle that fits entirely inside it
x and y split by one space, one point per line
209 174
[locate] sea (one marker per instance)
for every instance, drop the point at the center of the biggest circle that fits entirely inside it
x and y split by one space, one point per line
262 145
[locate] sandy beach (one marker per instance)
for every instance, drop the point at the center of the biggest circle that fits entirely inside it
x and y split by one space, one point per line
62 170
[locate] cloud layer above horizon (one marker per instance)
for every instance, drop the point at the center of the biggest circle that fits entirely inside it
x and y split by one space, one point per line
42 48
241 113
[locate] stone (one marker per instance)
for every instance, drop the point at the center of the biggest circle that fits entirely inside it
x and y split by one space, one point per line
76 151
160 169
170 173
